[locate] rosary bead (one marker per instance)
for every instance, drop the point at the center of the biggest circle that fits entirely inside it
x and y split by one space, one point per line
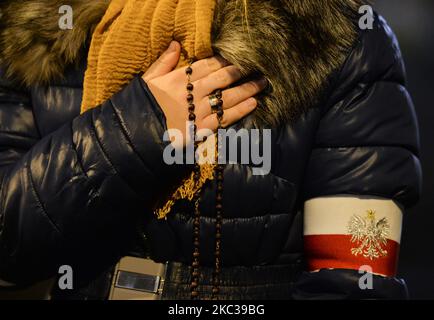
219 197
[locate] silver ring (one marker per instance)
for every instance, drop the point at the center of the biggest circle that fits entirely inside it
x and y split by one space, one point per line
214 102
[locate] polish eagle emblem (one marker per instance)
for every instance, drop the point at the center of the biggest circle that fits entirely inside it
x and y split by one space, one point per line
369 235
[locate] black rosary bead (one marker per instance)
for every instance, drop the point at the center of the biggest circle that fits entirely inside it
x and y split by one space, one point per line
196 233
219 207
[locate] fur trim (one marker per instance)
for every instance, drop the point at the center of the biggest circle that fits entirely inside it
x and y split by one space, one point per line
295 44
33 49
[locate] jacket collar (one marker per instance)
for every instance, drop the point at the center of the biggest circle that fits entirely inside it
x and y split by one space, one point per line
296 47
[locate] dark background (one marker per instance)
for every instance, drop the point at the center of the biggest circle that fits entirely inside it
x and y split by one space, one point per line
413 23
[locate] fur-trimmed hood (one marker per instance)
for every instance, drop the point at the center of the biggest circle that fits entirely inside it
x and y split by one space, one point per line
295 44
33 48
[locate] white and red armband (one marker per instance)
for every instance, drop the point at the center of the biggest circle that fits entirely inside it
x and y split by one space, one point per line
346 232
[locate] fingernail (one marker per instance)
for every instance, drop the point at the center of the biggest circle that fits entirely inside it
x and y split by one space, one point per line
172 46
264 82
253 102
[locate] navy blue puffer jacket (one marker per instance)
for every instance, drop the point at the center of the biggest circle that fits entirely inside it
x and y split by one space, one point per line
81 189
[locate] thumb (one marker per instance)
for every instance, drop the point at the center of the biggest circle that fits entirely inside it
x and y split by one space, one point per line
165 63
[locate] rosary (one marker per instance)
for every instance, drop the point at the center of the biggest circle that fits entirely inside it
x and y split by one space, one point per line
216 104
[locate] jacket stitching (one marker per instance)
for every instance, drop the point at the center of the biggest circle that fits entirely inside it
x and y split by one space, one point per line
104 153
371 146
127 134
20 134
93 133
74 148
2 190
38 199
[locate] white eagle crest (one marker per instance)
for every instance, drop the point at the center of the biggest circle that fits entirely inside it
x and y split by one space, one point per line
370 235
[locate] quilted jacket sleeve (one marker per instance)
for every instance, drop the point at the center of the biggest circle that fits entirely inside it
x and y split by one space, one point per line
367 144
76 197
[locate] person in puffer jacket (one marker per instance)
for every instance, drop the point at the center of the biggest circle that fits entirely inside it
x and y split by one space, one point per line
81 187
